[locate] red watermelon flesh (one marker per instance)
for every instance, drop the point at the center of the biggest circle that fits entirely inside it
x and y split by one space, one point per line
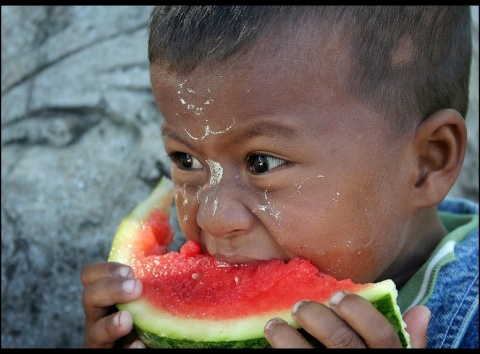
191 299
198 285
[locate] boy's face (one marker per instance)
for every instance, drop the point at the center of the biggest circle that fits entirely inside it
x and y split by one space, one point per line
271 160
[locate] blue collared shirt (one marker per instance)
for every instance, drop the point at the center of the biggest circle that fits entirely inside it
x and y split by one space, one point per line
448 283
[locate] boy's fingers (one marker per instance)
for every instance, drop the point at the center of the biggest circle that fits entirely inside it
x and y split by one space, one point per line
94 272
365 320
137 344
106 331
322 323
417 319
130 341
99 296
281 335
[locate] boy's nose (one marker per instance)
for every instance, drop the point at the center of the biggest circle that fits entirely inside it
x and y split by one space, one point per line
221 212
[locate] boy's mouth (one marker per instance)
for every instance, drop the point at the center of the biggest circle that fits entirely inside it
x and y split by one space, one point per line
236 259
242 249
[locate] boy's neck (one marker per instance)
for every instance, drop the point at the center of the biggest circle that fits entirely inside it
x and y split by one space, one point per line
426 232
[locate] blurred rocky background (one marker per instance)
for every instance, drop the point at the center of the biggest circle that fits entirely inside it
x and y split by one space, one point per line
81 147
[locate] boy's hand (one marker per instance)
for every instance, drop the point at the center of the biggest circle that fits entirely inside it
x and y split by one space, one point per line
350 322
106 284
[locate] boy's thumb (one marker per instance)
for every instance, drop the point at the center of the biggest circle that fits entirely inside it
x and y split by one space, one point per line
417 319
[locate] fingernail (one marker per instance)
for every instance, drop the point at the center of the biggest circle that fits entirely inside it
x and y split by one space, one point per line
137 344
272 323
336 298
116 319
129 286
298 305
124 272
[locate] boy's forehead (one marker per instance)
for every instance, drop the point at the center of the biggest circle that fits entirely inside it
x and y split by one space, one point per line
298 57
218 98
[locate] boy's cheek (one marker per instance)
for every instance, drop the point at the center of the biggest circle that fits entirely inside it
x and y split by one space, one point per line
186 204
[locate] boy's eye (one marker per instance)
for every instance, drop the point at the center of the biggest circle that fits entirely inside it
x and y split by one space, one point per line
259 164
185 161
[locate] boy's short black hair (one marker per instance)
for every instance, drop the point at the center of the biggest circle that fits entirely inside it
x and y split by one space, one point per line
408 61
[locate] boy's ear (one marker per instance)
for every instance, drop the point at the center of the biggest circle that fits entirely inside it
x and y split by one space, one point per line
440 145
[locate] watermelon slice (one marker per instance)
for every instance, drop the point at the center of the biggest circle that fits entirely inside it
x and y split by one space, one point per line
192 300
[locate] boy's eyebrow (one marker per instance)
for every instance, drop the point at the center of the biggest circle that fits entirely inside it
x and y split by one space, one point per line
171 134
270 129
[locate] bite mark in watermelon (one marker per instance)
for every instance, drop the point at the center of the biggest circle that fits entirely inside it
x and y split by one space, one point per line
192 300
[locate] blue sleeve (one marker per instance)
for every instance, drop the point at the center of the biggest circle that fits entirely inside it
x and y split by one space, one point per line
470 339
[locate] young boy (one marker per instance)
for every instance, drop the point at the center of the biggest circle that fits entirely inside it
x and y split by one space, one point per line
329 133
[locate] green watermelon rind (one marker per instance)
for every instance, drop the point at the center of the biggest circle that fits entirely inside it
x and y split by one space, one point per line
177 332
160 198
158 329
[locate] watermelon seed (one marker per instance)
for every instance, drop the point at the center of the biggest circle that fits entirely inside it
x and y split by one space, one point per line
195 275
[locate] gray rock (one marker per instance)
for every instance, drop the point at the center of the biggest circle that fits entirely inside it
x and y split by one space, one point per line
80 148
